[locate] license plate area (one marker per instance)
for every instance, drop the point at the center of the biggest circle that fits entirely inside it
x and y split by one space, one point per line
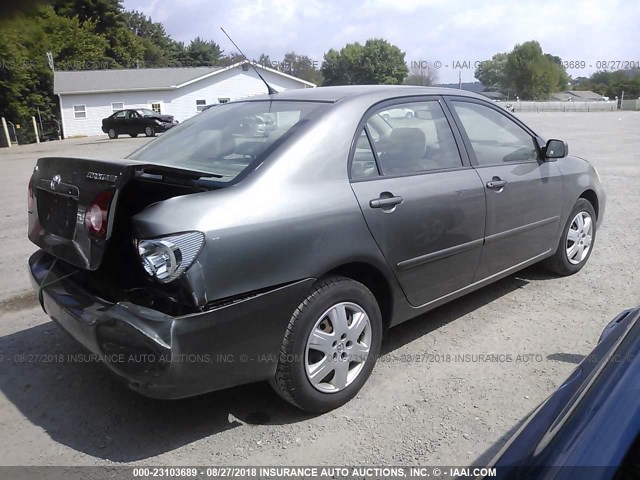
57 213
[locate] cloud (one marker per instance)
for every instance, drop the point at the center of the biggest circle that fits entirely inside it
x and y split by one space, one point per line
443 30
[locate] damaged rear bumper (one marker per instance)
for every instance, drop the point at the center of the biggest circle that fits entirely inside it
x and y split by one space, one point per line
169 357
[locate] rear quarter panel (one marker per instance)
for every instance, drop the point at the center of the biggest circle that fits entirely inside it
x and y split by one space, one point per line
295 217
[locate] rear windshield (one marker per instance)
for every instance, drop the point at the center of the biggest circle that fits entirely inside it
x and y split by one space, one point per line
229 138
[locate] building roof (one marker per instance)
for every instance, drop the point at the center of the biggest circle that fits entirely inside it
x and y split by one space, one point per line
493 95
127 80
579 95
584 94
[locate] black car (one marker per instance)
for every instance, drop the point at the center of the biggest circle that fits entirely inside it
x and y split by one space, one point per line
135 121
590 427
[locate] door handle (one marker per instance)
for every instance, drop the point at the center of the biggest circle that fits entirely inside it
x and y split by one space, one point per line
496 183
385 202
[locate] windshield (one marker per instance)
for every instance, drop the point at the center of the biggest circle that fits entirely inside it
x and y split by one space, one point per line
230 138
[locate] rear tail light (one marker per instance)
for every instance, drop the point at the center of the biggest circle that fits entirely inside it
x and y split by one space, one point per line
31 200
97 214
166 258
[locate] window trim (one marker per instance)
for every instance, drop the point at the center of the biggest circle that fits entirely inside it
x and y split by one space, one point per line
226 100
467 141
114 110
199 107
459 141
84 111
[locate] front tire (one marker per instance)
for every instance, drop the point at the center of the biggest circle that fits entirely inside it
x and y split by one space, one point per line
576 242
112 134
149 132
330 346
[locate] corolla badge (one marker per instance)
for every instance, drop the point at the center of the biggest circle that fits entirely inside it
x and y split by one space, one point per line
102 176
55 181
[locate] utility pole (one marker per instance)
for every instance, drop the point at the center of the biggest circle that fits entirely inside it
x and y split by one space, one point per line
460 79
35 129
40 119
50 61
6 132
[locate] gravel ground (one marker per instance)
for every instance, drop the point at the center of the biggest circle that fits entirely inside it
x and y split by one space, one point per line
447 409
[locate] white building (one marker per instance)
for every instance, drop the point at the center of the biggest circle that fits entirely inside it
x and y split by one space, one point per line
88 96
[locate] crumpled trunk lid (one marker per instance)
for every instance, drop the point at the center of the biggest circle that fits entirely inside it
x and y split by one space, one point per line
63 189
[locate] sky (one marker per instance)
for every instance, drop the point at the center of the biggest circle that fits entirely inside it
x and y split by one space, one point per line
457 34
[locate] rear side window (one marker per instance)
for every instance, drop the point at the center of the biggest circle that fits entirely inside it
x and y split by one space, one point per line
412 138
119 114
494 137
364 161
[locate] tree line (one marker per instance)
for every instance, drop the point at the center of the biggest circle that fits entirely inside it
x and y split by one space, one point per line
101 34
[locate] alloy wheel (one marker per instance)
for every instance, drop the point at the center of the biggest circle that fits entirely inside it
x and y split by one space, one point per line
338 347
579 238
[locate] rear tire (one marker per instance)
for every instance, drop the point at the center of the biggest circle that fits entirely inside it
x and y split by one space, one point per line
112 134
330 346
576 242
149 132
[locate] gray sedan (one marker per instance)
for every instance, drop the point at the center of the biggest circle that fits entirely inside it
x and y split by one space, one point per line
217 255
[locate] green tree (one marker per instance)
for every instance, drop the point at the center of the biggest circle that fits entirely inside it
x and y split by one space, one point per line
125 48
423 76
105 14
492 72
532 74
301 66
26 81
265 60
202 53
108 19
231 59
375 62
612 84
526 71
564 78
159 49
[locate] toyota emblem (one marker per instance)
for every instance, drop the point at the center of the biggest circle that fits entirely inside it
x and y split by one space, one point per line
55 181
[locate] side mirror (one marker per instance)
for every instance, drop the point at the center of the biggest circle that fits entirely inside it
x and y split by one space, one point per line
556 149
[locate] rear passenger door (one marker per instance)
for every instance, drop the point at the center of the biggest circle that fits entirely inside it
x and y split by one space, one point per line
118 121
523 192
135 123
422 201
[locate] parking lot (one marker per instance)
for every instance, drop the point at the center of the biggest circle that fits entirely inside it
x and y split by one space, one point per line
450 389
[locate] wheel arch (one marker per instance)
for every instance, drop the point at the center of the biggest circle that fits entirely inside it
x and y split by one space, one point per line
375 280
592 198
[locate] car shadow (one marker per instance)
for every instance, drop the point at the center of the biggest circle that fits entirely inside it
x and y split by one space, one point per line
83 406
406 332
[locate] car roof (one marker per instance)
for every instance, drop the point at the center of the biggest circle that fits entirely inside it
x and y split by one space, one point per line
377 92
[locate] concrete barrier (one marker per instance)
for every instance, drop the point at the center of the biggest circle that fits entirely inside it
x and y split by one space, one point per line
630 104
599 106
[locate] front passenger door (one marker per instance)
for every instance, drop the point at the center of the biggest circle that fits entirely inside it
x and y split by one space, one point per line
424 207
523 191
